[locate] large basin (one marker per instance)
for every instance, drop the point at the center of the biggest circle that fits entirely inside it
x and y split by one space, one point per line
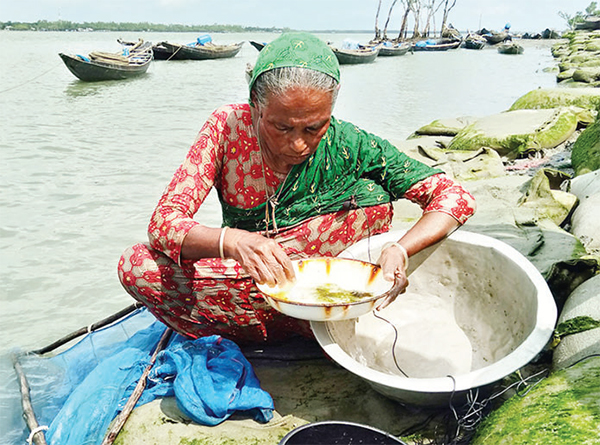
498 314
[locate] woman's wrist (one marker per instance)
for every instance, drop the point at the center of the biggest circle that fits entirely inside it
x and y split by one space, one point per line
402 249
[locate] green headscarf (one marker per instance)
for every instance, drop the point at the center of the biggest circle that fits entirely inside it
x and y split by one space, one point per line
296 49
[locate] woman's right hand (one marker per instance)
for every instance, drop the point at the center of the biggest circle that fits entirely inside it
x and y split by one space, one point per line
262 258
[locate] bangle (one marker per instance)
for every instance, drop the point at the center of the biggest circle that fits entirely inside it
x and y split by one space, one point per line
221 239
402 248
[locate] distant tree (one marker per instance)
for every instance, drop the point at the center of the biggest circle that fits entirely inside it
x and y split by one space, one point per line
592 9
447 8
404 24
416 10
377 31
579 17
387 22
431 9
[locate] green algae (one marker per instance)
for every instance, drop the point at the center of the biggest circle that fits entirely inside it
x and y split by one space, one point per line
585 154
563 409
574 325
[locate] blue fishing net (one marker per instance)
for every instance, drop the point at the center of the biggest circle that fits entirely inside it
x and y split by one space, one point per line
78 392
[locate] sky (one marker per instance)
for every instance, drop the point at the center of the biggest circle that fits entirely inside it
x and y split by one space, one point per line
523 15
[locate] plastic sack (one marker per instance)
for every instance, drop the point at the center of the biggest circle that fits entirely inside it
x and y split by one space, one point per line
204 38
349 44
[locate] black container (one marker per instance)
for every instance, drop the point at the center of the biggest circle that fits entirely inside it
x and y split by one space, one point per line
338 433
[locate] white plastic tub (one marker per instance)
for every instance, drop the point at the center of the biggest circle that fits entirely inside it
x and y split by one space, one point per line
497 298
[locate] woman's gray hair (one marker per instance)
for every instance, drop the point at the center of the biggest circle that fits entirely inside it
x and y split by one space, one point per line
277 81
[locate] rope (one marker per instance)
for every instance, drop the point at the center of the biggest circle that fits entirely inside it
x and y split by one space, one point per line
34 432
30 80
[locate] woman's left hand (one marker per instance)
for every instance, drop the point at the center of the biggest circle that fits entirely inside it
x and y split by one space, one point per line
392 262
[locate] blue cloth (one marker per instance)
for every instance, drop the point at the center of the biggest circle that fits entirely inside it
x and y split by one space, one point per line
209 377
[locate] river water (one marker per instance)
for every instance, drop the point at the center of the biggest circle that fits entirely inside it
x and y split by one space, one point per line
83 164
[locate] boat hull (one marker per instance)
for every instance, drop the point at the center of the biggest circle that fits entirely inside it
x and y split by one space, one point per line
391 51
353 57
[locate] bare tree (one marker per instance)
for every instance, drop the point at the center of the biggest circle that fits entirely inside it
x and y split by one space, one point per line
432 9
377 34
416 10
447 10
387 22
404 25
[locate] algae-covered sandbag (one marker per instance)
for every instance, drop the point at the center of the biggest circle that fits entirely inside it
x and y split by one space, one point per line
579 325
445 127
585 221
543 98
546 201
561 410
417 147
586 74
516 132
585 154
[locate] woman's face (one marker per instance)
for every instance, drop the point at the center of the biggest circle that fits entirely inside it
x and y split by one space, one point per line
292 125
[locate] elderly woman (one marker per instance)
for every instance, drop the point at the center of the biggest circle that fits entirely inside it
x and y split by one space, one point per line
293 182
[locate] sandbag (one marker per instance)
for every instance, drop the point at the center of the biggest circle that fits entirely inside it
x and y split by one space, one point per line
546 201
445 127
585 154
514 133
545 98
582 308
585 221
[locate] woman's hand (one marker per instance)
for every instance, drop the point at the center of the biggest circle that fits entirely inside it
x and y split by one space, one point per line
393 262
262 258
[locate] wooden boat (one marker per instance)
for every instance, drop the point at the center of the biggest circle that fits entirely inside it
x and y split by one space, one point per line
132 61
161 52
495 37
398 49
356 56
258 45
510 48
196 51
475 41
436 45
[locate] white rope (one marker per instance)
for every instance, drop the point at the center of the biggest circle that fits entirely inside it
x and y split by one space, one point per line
34 432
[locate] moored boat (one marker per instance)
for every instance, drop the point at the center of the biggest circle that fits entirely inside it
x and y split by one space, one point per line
510 48
203 52
356 56
475 41
202 49
161 52
132 61
258 45
436 45
494 37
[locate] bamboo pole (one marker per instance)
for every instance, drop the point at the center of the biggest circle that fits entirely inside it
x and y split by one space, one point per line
137 392
99 324
28 413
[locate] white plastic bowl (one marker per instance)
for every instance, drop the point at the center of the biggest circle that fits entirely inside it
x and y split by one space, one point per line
343 275
499 299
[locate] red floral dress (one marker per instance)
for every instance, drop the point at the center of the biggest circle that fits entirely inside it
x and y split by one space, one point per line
214 296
